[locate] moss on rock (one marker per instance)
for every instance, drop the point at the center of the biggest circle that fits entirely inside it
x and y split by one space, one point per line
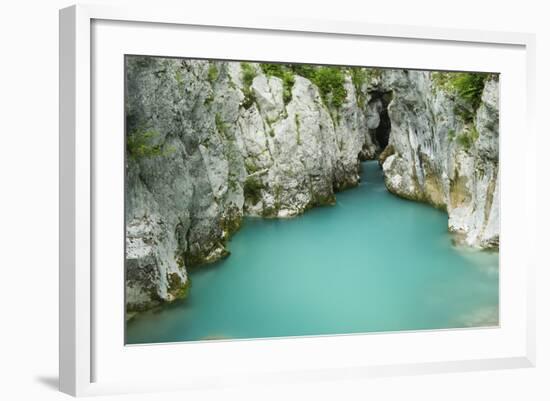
253 187
176 288
387 152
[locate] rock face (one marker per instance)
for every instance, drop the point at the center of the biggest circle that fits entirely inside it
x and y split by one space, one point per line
443 155
205 148
211 142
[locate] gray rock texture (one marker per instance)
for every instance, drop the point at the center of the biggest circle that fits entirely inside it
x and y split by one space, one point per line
437 155
211 142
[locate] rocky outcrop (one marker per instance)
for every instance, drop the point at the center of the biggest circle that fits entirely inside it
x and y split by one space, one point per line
211 142
444 151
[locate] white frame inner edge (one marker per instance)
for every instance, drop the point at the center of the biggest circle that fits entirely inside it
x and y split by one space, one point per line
84 368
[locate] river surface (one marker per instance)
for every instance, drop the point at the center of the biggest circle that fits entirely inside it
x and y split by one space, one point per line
373 262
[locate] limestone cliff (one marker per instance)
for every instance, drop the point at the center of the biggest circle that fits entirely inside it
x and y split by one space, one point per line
443 149
211 142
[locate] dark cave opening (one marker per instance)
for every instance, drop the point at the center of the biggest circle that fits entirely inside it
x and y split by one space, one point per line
379 104
383 131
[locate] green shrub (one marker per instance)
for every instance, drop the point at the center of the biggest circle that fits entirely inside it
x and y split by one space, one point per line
288 84
212 73
330 81
285 74
142 144
304 70
359 76
467 86
221 127
274 70
441 79
250 166
233 184
468 137
474 134
249 98
470 87
464 141
248 75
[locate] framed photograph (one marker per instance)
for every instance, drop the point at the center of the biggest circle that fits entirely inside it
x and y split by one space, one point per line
272 200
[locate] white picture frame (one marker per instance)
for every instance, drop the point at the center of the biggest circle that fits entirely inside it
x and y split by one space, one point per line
89 363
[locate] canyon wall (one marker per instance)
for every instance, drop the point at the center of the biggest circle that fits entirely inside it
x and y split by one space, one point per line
205 148
211 142
443 150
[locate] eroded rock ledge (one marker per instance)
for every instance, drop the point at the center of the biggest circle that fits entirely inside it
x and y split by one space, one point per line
211 142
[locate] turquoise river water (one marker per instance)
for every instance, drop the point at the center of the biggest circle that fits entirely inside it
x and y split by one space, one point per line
373 262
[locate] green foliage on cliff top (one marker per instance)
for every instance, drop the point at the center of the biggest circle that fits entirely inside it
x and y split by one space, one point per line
285 74
212 73
329 80
248 75
468 86
143 144
359 77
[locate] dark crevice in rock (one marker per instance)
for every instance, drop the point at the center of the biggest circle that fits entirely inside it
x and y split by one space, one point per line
378 103
383 130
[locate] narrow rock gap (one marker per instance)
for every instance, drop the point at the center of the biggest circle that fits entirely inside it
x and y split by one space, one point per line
379 119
